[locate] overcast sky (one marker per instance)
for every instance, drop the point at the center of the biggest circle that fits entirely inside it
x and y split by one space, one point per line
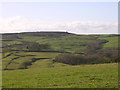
75 17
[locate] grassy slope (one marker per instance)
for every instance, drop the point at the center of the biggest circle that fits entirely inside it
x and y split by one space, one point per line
28 56
68 43
42 74
89 76
113 41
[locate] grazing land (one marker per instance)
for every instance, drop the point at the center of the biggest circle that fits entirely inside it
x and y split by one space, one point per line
59 60
89 76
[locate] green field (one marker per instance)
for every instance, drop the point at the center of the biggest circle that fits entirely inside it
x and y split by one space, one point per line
113 41
38 69
89 76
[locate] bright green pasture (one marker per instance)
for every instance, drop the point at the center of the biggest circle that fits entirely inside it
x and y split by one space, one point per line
17 60
113 41
86 76
69 43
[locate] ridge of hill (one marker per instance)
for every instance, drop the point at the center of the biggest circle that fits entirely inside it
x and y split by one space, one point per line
39 49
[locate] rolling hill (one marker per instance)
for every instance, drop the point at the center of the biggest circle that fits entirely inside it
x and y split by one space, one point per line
37 52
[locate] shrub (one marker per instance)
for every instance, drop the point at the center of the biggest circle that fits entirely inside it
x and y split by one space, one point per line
101 56
33 46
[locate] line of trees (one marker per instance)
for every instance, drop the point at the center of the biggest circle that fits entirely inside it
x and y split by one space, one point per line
108 55
93 46
34 46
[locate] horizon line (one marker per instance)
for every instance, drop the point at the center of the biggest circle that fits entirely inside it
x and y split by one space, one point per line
62 32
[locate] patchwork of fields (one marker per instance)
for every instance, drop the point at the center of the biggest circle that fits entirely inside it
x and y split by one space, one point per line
24 68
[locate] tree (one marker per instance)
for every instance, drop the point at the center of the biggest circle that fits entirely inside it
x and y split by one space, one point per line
34 46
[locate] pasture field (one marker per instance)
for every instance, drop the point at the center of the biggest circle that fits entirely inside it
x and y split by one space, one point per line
25 65
113 41
84 76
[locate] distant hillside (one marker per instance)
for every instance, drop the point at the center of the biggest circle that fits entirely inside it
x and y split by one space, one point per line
41 34
56 49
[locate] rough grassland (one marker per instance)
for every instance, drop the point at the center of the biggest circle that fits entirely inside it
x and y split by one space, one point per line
86 76
25 69
113 41
16 60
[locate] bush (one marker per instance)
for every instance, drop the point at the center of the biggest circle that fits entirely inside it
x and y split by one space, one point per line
108 55
94 46
73 59
33 46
